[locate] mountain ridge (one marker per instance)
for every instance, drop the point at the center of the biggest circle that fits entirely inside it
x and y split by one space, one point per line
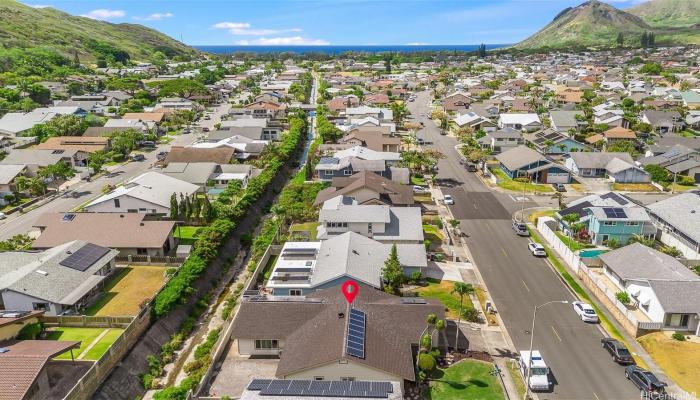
22 26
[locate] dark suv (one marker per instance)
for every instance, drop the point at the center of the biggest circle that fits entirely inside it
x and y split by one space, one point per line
647 382
617 350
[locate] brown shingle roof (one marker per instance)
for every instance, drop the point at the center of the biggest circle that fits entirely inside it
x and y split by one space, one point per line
23 362
388 190
113 230
78 143
151 116
619 132
314 334
219 155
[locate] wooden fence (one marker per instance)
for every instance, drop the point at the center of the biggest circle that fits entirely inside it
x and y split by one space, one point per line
151 260
88 321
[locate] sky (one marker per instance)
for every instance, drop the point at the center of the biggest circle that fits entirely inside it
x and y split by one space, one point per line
330 22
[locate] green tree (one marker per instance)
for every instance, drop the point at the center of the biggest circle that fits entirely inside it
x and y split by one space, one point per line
207 211
461 289
181 87
392 273
620 39
61 170
658 173
96 160
400 111
68 125
644 40
174 207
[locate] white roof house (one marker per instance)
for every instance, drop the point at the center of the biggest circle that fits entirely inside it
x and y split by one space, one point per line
519 121
147 193
364 153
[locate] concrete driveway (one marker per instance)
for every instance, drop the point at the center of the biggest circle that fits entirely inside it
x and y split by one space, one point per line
448 271
595 185
236 372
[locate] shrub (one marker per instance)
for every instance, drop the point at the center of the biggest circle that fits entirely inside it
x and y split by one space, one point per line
471 314
521 180
426 362
623 297
426 342
416 276
30 331
697 269
685 180
147 381
678 336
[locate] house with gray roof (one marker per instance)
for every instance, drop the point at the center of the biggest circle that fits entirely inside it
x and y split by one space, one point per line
501 140
663 122
304 267
678 160
678 221
8 174
58 280
380 222
34 159
618 167
564 120
524 162
661 287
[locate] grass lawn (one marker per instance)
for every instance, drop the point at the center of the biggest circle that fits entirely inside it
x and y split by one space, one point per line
442 290
306 227
635 187
509 184
187 232
514 373
23 200
578 187
680 360
542 213
481 295
432 233
130 287
267 271
423 198
687 133
417 180
681 188
84 335
102 346
572 243
467 379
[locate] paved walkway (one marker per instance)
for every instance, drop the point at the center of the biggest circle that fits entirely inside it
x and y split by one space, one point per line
92 344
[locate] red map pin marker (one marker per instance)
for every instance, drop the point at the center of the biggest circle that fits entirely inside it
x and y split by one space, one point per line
350 290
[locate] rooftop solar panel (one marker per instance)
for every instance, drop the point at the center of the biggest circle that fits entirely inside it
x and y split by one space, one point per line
614 212
258 384
355 389
355 344
84 257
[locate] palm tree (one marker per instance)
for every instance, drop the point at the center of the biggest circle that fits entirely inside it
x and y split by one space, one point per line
461 289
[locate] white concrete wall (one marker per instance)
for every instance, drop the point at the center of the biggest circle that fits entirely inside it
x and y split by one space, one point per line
127 203
336 371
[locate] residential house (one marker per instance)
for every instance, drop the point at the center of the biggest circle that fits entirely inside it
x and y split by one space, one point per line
549 141
341 103
30 370
148 193
610 117
619 167
521 122
380 222
305 267
617 223
693 120
678 220
380 114
377 99
8 174
269 130
679 160
243 147
377 138
128 233
176 104
522 161
578 206
501 140
663 122
81 146
192 154
565 121
58 280
309 336
15 123
456 102
356 159
617 134
366 187
34 159
474 121
266 109
691 99
136 124
665 291
92 103
209 174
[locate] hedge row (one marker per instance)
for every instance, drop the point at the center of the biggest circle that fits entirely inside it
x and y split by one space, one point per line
213 236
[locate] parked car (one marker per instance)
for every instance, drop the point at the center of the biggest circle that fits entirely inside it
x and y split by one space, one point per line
536 249
138 157
539 371
520 228
448 200
420 141
149 144
420 189
617 350
205 129
471 167
2 215
162 155
207 117
585 311
645 381
559 187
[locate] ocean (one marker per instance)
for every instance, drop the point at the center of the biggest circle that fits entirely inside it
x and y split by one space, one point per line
339 49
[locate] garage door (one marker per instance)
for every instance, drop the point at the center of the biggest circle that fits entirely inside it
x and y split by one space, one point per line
557 178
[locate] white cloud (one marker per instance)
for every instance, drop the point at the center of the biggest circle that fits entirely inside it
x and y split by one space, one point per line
39 5
155 17
244 29
104 14
284 41
417 44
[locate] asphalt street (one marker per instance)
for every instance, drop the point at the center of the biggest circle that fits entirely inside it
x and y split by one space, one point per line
518 282
84 191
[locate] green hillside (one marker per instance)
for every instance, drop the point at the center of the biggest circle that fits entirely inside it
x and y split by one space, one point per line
668 13
597 24
22 26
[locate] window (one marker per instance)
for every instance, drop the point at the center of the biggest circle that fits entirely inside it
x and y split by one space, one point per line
347 378
369 227
265 344
40 306
347 172
142 210
609 223
328 172
295 292
632 223
142 251
318 378
116 203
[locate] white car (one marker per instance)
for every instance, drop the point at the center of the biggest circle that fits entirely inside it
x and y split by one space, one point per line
536 249
585 311
2 215
420 189
448 200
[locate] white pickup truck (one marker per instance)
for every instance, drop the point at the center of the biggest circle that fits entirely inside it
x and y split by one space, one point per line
539 372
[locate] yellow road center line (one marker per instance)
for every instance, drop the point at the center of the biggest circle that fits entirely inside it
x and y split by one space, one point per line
555 333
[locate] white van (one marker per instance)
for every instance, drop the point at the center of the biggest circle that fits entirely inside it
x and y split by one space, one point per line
539 375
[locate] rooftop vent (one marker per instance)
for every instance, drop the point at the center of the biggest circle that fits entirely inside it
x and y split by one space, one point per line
341 315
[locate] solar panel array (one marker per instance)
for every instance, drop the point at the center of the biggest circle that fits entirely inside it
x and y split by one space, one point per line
355 345
287 387
614 212
84 257
413 300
